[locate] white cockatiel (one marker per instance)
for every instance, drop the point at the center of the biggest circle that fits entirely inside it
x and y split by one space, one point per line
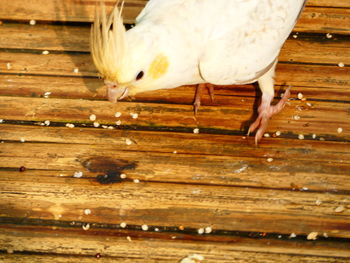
182 42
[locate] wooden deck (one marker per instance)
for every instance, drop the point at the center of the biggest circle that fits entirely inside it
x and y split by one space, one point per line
260 204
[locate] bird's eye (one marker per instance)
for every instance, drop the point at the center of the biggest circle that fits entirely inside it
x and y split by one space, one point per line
140 75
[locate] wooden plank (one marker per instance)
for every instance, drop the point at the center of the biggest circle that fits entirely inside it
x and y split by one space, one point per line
306 48
329 3
240 164
173 205
64 64
161 248
314 19
92 89
210 119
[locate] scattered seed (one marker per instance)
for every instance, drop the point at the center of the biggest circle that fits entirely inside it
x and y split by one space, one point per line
128 141
182 228
92 117
70 125
128 238
8 66
296 117
45 52
1 120
301 137
118 122
76 70
47 122
314 136
208 230
309 104
86 227
87 211
279 236
110 127
322 139
144 227
300 96
325 235
32 22
341 64
174 152
293 235
267 135
156 229
134 115
118 114
196 130
123 225
269 160
136 181
47 94
304 189
200 231
295 36
278 133
98 255
104 126
312 236
318 202
195 258
329 35
123 176
22 140
96 124
340 130
22 169
339 209
78 174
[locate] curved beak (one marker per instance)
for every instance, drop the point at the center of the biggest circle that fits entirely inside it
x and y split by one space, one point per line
115 93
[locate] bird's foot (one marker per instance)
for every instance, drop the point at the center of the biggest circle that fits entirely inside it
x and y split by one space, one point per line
198 95
266 111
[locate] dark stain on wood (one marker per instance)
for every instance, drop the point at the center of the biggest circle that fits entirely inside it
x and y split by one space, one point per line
110 169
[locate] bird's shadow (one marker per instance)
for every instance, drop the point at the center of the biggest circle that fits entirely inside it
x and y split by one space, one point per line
245 125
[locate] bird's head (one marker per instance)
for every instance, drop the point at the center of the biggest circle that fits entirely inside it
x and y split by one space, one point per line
126 65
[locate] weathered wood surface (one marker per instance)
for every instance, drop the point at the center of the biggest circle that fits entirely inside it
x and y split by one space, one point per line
216 178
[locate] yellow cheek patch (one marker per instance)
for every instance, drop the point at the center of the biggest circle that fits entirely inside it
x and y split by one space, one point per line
159 66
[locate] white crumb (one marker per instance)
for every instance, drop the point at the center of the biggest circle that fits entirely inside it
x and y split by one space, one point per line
341 64
96 124
118 122
309 104
196 130
8 65
278 133
134 115
123 176
22 140
194 258
279 236
110 127
32 22
339 130
325 235
174 152
47 94
47 123
136 181
78 174
269 160
86 227
293 235
200 231
314 136
304 189
295 36
70 125
267 135
318 202
329 35
9 251
45 52
301 137
1 120
128 141
118 114
339 209
128 238
296 117
92 117
144 227
76 70
156 229
322 139
123 225
312 236
208 230
104 126
87 211
300 96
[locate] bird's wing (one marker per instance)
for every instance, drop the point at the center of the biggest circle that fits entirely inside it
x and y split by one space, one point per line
246 38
